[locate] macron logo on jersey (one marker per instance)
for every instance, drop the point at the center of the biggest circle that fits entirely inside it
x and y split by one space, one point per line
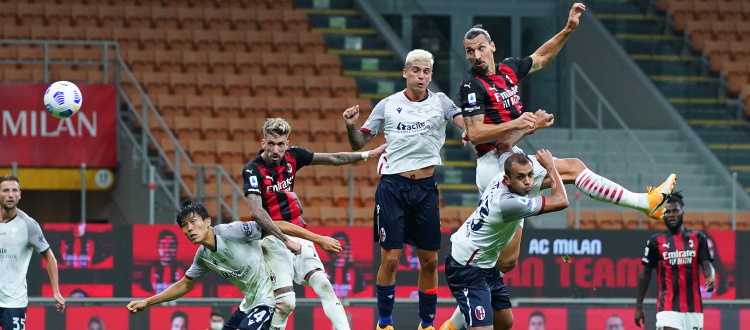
412 127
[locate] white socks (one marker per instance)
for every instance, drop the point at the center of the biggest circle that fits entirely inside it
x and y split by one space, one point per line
604 190
331 305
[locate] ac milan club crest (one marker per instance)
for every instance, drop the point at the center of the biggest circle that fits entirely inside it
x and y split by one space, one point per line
479 311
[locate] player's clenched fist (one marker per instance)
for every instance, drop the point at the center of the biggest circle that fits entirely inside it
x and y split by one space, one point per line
137 306
330 244
527 121
351 115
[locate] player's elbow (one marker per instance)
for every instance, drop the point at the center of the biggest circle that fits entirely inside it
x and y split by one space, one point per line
557 203
506 266
476 136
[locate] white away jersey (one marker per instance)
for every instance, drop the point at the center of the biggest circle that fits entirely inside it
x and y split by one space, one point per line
18 237
492 225
414 131
239 258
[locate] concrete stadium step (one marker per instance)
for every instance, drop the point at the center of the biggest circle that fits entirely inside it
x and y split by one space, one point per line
683 89
325 5
724 136
631 23
668 65
652 44
338 19
622 9
371 63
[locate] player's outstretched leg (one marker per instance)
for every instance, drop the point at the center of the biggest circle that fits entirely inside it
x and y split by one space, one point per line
385 287
427 288
332 307
285 303
651 203
456 322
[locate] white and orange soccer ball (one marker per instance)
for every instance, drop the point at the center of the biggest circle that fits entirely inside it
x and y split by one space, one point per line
63 99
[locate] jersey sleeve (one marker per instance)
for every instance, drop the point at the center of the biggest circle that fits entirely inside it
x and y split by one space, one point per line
651 254
703 252
302 155
515 207
376 121
239 231
450 110
251 180
36 237
471 98
198 269
521 66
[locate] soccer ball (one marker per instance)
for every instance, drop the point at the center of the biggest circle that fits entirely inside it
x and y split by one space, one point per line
63 99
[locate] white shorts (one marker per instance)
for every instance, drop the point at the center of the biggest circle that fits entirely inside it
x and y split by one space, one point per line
489 165
680 321
286 267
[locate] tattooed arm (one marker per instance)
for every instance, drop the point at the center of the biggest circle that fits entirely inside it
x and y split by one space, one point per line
549 50
266 223
480 132
343 158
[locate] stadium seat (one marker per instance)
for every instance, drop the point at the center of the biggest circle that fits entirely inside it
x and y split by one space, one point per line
179 39
58 14
202 151
249 63
286 42
743 220
717 52
692 220
300 130
307 108
717 220
41 32
344 86
730 11
586 219
259 41
270 20
680 12
227 107
740 51
367 194
170 105
291 86
168 61
698 31
198 106
608 219
237 85
328 64
30 14
222 62
164 17
330 175
155 38
743 29
318 86
630 219
315 195
334 216
312 43
244 20
210 85
137 16
363 216
196 62
302 64
183 83
190 18
724 30
253 106
311 215
295 20
215 128
111 15
207 40
280 107
217 19
127 38
706 10
275 63
264 85
736 74
340 196
187 128
324 130
230 152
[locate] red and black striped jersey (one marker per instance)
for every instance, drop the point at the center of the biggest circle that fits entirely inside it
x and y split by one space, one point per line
494 96
275 184
677 259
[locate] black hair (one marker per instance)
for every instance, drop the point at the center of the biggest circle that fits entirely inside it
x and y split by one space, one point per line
518 158
189 207
165 233
181 314
676 197
341 235
9 177
538 313
96 320
475 31
217 313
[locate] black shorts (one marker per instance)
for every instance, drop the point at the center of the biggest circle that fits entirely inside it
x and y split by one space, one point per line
478 291
13 318
258 318
407 211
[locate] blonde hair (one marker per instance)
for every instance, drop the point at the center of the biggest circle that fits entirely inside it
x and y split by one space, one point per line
276 127
418 55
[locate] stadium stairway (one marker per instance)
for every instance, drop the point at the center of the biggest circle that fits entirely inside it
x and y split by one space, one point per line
682 77
364 54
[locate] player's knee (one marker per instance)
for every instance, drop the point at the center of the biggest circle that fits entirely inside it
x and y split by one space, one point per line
389 263
428 263
285 304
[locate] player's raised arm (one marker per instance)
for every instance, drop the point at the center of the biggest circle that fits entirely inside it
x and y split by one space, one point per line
558 200
174 291
343 158
549 49
358 138
261 217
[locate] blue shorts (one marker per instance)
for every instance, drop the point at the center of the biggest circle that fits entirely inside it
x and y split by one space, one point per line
478 291
258 318
13 318
407 211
